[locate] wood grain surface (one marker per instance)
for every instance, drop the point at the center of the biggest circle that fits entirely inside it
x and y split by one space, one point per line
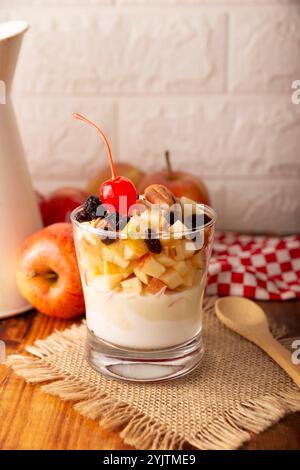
30 419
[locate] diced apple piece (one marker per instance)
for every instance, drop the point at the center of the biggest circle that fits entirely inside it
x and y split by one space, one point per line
107 281
134 228
134 249
114 254
176 250
165 260
129 270
180 267
179 250
189 206
189 277
143 277
90 256
172 278
187 200
189 248
198 240
138 208
152 218
178 229
155 219
110 268
95 249
154 286
90 273
198 260
151 267
85 235
132 285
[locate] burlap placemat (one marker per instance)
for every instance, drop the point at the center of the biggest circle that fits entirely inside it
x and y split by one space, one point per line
236 390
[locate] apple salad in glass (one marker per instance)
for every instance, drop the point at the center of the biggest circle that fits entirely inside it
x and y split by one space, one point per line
143 265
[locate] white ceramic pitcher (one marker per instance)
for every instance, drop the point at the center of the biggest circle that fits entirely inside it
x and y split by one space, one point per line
19 213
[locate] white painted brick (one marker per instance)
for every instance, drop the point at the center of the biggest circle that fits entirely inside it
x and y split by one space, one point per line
214 135
257 205
56 3
245 147
122 51
147 3
60 150
264 49
226 3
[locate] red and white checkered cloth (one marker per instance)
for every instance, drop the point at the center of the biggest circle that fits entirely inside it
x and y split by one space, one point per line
262 268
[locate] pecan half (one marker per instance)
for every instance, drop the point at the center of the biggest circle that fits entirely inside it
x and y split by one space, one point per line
103 224
159 194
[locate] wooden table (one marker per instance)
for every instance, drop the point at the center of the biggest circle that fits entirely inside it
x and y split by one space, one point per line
30 419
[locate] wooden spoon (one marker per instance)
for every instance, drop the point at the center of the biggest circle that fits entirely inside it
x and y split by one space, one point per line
249 320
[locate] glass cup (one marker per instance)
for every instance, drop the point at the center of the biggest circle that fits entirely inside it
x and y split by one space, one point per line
144 298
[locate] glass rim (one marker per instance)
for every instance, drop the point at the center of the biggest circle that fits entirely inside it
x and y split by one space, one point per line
116 234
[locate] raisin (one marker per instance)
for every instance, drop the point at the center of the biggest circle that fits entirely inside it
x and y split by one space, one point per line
152 243
172 217
101 211
107 240
207 219
81 216
195 221
89 210
91 205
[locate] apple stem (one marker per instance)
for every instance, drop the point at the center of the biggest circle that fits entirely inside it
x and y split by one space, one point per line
48 275
51 275
104 138
168 163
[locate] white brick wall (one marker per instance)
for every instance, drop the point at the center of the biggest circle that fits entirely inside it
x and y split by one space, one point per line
208 79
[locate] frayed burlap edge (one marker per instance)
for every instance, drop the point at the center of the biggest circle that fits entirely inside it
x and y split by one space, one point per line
228 431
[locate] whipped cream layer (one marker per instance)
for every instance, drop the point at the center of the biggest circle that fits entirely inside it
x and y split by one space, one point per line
144 321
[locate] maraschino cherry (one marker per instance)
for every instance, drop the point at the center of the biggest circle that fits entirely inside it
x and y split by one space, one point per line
118 192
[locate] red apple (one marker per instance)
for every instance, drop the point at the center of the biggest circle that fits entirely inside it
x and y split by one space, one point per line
179 182
59 205
47 272
39 197
122 169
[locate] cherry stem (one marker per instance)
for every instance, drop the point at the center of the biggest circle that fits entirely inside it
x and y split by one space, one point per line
104 138
168 162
